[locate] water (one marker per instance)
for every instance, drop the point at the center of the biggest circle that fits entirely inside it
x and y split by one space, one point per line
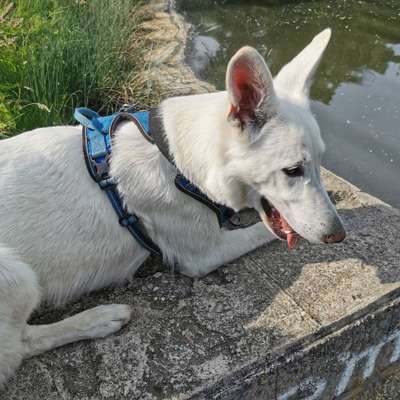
356 94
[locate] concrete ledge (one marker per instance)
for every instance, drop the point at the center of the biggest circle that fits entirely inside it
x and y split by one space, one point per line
316 321
313 323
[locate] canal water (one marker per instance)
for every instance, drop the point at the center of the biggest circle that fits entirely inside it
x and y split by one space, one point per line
356 94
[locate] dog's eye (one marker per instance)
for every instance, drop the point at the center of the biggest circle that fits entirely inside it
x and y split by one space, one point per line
298 170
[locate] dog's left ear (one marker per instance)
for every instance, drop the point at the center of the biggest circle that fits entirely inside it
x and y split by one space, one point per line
250 88
295 78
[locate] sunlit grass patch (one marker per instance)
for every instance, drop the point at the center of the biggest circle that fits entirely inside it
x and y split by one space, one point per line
56 54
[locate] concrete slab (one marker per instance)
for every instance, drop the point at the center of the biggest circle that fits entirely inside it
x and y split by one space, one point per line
272 324
313 323
349 275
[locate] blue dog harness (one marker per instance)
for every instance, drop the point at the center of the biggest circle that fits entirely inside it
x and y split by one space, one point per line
97 134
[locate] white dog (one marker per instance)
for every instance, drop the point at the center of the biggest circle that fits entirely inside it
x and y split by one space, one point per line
256 145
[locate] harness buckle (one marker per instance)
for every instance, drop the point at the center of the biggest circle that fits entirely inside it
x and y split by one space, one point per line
107 183
128 219
129 108
102 168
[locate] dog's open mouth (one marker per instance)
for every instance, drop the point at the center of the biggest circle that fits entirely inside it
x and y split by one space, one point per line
275 221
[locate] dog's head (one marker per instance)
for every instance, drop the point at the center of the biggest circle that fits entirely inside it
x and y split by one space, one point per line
277 147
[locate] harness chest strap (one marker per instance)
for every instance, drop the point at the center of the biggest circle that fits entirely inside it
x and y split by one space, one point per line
97 133
96 140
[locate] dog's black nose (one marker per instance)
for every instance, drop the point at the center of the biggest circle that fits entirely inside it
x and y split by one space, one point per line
335 237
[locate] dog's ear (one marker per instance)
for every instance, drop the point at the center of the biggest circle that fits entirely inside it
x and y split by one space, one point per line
250 88
295 78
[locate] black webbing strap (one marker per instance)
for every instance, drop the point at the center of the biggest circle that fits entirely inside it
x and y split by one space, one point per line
99 170
224 214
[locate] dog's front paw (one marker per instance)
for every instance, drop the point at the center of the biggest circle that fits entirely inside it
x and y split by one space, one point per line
103 320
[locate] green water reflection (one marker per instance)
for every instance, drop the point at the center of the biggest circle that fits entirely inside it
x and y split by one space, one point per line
357 90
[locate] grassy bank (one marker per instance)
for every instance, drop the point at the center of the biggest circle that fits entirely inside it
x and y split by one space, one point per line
57 54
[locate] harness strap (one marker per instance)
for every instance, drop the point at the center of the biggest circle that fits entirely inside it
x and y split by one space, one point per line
129 221
133 117
88 118
96 141
157 133
224 214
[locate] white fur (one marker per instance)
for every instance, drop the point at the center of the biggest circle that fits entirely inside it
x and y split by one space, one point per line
295 78
66 237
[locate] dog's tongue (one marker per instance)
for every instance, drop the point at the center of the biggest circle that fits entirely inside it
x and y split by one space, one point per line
291 236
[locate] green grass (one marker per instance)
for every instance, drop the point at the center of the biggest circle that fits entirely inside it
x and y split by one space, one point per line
57 54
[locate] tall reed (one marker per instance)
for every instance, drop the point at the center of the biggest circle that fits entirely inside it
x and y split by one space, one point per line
57 54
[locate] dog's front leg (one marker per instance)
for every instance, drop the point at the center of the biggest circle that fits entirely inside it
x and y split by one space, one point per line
232 244
97 322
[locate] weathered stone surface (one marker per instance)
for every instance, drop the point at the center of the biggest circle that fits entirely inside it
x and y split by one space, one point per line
272 324
312 323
